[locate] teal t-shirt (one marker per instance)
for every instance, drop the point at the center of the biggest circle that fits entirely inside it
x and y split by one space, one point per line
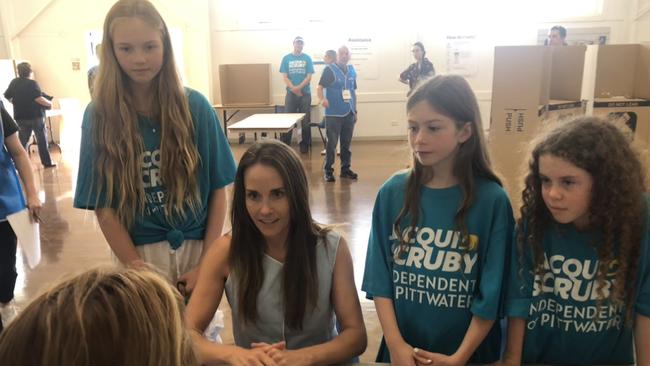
564 324
216 170
437 287
297 68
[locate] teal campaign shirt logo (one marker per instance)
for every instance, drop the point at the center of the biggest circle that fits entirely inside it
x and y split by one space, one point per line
434 268
297 67
575 308
152 181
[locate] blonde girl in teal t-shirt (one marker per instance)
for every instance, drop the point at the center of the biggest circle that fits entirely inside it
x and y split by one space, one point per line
154 162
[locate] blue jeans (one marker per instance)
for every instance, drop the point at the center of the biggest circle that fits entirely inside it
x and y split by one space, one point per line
339 127
297 104
26 126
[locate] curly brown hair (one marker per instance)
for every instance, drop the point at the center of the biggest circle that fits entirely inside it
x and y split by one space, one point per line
617 208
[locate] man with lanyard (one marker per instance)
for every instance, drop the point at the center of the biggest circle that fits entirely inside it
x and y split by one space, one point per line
12 201
296 69
340 101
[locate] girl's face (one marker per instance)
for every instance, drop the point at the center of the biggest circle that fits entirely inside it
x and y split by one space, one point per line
434 138
138 48
267 203
566 190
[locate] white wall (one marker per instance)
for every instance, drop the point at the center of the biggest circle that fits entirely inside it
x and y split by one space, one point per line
640 15
4 53
249 32
50 34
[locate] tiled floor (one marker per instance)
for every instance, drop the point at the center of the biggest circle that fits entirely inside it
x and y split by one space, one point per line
71 241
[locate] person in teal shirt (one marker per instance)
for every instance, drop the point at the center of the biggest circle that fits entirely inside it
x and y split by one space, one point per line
440 237
578 288
154 162
297 69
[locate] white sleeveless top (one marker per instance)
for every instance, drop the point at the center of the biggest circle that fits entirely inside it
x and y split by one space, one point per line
270 327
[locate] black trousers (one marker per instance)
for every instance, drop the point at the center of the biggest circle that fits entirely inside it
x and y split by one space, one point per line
8 272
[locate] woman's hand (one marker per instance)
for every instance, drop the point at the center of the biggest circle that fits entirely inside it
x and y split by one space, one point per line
250 357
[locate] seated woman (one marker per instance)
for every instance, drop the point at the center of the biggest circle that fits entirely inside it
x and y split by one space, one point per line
101 317
285 276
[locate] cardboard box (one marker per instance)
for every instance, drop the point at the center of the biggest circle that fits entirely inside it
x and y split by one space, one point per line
245 84
558 111
622 86
565 94
532 87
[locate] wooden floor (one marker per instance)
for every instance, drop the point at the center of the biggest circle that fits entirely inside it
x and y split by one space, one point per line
71 240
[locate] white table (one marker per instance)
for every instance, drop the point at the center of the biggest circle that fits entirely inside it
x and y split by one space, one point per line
268 122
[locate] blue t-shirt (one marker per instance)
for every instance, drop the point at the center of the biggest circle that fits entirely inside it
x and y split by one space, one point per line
564 324
216 170
297 68
437 287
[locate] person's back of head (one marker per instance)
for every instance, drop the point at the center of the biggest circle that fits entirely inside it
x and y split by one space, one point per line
24 69
101 317
330 57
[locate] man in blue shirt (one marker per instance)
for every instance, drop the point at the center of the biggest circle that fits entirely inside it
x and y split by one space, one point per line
296 69
337 93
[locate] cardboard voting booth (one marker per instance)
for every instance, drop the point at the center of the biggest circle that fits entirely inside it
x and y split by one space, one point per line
533 86
622 86
245 84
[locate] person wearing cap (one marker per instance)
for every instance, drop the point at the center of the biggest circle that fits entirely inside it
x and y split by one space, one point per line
296 69
557 36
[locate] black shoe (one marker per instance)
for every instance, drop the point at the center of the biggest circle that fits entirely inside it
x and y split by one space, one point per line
349 174
304 149
329 177
51 165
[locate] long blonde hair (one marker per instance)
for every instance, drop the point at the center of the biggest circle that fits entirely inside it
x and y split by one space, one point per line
116 139
104 316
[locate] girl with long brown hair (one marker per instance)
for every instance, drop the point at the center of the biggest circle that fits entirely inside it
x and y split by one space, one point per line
285 276
579 281
154 162
439 237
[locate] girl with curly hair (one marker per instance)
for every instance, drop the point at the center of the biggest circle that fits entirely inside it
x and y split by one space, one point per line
579 279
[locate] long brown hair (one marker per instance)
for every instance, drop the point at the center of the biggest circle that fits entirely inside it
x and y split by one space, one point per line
617 208
300 275
451 96
116 139
102 317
